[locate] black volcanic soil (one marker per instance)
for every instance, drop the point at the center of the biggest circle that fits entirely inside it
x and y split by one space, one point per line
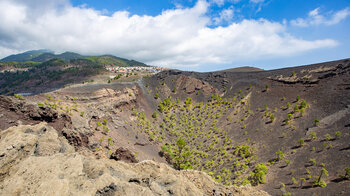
127 108
326 89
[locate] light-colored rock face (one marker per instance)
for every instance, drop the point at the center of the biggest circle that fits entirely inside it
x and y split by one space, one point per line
192 85
34 160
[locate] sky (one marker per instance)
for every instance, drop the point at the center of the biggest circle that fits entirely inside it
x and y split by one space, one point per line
194 35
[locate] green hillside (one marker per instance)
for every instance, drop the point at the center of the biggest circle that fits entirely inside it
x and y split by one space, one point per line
45 55
108 60
26 56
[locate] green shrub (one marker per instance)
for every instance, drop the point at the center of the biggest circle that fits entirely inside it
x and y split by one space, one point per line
303 104
266 87
179 154
258 175
295 181
338 134
156 96
109 141
287 162
312 161
302 111
155 114
288 105
319 182
347 174
301 142
280 155
18 96
316 121
327 137
313 135
188 101
284 135
296 108
105 128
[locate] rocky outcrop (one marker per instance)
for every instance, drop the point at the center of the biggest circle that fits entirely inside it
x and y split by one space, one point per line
35 160
119 98
313 75
307 79
191 85
15 112
123 154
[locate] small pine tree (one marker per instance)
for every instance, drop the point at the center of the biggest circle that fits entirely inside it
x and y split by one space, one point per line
301 142
288 105
267 87
312 161
316 121
338 134
327 137
110 141
156 96
295 181
347 174
319 182
313 135
155 114
280 155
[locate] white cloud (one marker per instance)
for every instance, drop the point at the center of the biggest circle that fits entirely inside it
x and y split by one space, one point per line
175 38
314 12
218 2
339 16
222 2
225 16
315 18
256 1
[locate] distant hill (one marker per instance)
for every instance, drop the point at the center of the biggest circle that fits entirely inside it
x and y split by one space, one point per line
243 69
46 55
109 60
66 56
26 56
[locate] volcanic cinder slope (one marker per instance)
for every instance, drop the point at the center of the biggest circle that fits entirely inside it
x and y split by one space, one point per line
282 131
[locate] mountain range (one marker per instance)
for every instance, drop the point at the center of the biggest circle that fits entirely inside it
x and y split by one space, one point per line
44 55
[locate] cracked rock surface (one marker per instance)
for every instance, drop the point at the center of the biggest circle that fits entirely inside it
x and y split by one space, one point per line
35 160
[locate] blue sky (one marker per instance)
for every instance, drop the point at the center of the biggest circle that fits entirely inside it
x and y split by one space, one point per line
199 35
271 9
